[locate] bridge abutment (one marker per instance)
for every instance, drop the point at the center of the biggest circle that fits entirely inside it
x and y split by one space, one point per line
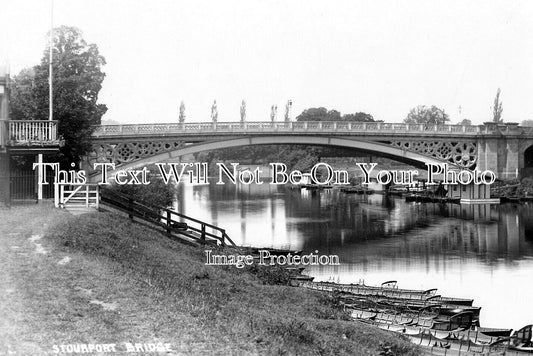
512 161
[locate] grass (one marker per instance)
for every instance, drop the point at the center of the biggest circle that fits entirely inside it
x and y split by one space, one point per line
163 292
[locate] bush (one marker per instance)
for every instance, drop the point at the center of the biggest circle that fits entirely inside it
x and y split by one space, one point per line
156 193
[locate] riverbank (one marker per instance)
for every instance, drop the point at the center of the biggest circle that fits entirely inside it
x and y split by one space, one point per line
513 190
99 279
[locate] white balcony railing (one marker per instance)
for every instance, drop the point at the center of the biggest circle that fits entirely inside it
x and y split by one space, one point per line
31 133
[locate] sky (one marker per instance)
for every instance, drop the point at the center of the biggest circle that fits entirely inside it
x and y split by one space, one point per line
379 57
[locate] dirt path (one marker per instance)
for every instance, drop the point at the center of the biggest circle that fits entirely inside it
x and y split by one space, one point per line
20 248
52 296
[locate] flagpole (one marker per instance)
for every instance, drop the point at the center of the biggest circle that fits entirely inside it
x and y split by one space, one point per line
50 98
51 42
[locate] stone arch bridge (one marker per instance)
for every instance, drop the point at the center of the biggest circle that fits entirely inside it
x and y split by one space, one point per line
505 149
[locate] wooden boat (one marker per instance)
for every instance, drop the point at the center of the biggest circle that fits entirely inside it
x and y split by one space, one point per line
387 288
410 302
406 306
357 190
297 279
357 313
428 339
502 332
450 300
522 340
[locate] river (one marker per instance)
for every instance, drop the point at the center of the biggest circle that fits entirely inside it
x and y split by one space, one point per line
479 251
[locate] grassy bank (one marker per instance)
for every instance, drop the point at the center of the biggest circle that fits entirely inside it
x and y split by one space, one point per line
123 282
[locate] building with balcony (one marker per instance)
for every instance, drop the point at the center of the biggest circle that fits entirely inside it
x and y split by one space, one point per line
20 137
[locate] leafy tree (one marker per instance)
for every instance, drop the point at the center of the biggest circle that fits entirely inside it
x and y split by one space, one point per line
22 100
497 109
527 123
313 114
77 79
156 193
359 117
465 122
424 115
322 114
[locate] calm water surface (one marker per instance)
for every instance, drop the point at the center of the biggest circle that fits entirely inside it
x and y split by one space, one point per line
481 252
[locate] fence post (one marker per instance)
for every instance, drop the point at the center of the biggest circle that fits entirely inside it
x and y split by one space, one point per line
130 201
87 196
97 197
203 232
61 195
56 195
169 222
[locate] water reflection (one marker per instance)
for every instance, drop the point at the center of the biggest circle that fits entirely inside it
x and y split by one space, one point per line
479 251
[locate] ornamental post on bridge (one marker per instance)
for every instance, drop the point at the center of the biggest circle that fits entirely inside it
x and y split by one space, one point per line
181 118
243 112
214 114
288 107
273 113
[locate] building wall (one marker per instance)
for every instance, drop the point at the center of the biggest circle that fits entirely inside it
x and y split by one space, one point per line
4 157
4 179
3 107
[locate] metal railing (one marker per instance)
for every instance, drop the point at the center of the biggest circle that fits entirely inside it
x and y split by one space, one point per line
344 127
76 195
170 220
31 132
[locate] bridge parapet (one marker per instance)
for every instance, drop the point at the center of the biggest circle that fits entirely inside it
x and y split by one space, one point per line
342 127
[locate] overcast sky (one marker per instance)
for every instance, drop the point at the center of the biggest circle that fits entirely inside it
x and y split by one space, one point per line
380 57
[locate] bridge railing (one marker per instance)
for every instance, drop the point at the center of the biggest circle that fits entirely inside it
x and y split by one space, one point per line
169 220
293 126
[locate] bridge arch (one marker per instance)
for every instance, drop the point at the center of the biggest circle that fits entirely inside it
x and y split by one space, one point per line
527 156
416 159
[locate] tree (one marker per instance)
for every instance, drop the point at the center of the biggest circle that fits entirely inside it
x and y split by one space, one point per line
322 114
313 114
497 109
359 117
465 122
77 80
424 115
22 100
528 123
